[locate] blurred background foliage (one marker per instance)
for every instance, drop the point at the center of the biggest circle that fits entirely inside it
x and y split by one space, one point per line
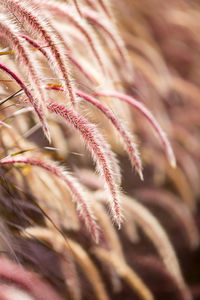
147 49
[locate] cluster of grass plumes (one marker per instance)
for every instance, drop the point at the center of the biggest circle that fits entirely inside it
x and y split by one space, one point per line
78 81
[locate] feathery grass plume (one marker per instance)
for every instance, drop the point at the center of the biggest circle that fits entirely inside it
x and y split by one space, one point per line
69 51
126 137
105 158
110 154
27 280
28 93
91 4
177 210
11 34
75 189
71 58
110 31
66 12
76 63
35 44
24 11
124 271
99 149
158 236
147 114
78 254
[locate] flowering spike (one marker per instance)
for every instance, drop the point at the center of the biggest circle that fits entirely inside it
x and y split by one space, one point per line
96 145
74 187
110 31
127 138
110 154
9 31
34 103
63 10
71 58
147 114
58 62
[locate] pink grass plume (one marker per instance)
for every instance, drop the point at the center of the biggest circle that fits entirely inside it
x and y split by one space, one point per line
99 149
32 16
148 115
126 137
10 33
74 61
79 23
78 195
34 103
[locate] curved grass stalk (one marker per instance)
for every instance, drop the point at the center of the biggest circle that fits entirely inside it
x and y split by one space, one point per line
125 272
75 189
126 137
90 3
9 31
81 69
79 255
147 114
65 11
110 31
176 209
154 266
158 236
76 4
71 58
58 62
99 149
61 246
112 238
4 124
105 7
89 269
111 155
28 93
